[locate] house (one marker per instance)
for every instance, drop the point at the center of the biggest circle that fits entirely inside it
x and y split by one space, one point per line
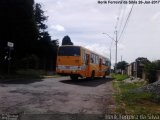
129 69
135 69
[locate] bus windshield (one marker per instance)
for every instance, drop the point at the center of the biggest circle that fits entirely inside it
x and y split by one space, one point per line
69 51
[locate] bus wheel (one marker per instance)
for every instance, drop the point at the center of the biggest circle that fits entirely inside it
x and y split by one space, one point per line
104 76
74 77
92 75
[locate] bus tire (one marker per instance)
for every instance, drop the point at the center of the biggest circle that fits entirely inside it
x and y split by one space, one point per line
92 75
74 77
104 76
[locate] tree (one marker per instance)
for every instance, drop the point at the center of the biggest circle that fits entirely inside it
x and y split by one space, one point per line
40 18
121 65
151 70
46 48
17 26
66 41
142 60
23 23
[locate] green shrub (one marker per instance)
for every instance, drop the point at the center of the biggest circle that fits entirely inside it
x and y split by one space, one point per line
132 101
151 70
119 77
30 73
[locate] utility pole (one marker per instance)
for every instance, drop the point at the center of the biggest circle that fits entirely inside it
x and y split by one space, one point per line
121 58
110 60
110 56
116 41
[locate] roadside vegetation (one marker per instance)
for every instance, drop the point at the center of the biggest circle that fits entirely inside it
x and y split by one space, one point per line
119 77
130 99
151 69
33 52
29 73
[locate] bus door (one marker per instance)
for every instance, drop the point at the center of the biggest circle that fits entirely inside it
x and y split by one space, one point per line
87 63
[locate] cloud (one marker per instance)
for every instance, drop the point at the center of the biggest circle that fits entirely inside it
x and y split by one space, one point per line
98 48
60 4
85 21
156 17
121 46
58 27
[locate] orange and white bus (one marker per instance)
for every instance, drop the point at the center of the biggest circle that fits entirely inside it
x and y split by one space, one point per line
77 61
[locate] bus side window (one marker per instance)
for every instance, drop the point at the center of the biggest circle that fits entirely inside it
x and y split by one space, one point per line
83 56
100 61
103 62
107 63
87 59
97 60
92 58
92 61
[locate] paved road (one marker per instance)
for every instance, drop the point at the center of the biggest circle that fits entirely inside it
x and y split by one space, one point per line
57 95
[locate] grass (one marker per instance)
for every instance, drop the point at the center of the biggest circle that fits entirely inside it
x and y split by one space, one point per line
131 101
37 74
29 73
52 76
119 77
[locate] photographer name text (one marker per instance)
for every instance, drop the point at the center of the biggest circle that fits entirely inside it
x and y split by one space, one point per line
128 2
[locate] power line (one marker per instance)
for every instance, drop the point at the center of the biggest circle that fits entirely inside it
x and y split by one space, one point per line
116 39
126 22
122 18
118 17
111 43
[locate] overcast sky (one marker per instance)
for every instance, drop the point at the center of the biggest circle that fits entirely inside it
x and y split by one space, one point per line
85 21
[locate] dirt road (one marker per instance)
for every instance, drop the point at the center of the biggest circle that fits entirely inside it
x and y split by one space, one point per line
57 95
